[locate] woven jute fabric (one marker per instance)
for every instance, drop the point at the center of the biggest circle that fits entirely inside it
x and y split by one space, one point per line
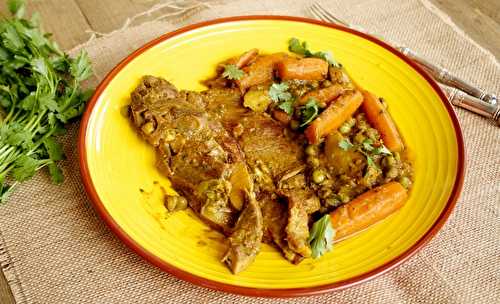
55 249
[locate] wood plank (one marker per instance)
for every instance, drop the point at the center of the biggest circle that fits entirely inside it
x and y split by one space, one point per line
6 296
480 19
109 15
63 18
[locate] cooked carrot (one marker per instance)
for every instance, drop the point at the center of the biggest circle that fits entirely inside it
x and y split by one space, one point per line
377 115
334 116
260 71
325 95
304 69
367 209
281 116
247 57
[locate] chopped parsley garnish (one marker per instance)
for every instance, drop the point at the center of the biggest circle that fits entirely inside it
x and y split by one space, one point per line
321 236
366 148
287 107
302 48
279 92
309 112
345 144
232 72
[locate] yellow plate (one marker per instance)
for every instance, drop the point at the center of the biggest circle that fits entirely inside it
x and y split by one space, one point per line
118 168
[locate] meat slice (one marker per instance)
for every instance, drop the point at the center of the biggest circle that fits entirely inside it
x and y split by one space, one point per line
244 242
275 216
302 201
195 151
264 143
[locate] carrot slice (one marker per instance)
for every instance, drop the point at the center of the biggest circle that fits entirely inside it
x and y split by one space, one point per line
325 95
260 71
377 115
281 116
304 69
334 116
367 209
247 57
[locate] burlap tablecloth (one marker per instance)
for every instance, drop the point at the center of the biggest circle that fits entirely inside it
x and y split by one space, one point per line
54 248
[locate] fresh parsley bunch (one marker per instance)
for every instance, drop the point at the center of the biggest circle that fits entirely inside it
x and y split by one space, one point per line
39 92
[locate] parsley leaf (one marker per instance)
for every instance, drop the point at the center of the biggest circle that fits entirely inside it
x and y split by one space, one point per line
17 7
232 72
367 145
55 173
54 149
309 112
279 92
287 106
382 150
328 57
370 162
297 47
25 168
345 144
321 236
80 67
301 48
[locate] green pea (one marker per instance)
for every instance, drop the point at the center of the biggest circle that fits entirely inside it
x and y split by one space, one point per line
318 176
332 201
345 128
148 127
359 138
351 122
169 135
312 150
392 172
313 161
389 161
174 203
405 182
397 156
344 197
326 83
294 124
372 134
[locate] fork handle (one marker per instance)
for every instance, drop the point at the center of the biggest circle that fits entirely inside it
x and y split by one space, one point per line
444 76
471 103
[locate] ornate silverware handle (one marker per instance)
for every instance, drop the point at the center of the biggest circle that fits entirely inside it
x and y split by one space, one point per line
473 104
444 76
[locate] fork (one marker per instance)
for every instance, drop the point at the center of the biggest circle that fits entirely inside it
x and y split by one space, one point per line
479 101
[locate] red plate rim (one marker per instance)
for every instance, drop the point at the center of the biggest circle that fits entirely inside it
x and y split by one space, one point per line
264 292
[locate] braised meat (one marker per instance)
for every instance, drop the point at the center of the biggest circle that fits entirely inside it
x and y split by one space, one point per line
274 150
195 151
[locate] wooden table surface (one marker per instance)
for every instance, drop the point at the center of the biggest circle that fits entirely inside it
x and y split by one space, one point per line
69 20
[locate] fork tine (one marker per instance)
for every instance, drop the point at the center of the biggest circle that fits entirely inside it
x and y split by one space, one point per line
318 14
329 15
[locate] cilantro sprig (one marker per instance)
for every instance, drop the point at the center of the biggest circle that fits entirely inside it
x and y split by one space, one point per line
278 92
302 48
366 148
321 236
39 92
232 72
309 112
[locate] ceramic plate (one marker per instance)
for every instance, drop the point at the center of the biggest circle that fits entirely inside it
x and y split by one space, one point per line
118 168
